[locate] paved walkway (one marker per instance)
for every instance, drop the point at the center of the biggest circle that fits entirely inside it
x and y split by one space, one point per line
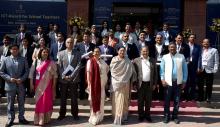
190 115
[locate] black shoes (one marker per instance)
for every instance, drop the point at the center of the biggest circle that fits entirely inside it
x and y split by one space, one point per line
148 118
166 120
24 121
60 117
9 124
176 121
76 117
141 119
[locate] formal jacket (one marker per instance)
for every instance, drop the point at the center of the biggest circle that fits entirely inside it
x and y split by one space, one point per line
132 50
52 38
43 35
18 38
185 50
164 51
2 51
9 69
212 61
170 38
167 65
28 54
195 57
54 50
110 51
153 71
81 47
63 63
150 46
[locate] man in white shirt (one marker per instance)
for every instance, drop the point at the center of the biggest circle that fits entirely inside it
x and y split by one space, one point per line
208 66
147 74
69 59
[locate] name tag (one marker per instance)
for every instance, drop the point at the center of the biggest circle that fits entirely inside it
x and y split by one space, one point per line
204 62
37 75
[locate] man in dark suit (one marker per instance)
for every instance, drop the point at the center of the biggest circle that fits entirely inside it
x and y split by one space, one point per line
84 47
14 70
40 34
69 58
131 49
168 35
160 50
147 78
26 51
53 34
142 43
23 34
57 47
195 54
4 52
106 49
182 47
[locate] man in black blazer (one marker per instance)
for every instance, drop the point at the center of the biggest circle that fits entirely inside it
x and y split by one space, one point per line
84 47
160 50
40 34
106 49
142 43
23 34
26 51
182 47
57 47
168 35
194 59
132 50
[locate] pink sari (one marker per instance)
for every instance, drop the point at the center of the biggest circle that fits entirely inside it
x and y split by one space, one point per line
44 89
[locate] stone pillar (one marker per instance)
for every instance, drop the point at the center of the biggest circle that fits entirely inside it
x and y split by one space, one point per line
195 17
77 8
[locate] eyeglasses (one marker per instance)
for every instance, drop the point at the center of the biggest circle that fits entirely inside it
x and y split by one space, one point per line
125 36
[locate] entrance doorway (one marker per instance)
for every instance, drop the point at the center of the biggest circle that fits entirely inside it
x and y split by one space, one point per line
147 14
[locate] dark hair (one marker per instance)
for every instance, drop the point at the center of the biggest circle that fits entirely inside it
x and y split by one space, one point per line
87 33
13 45
179 34
142 32
40 52
97 48
120 47
71 29
172 43
192 34
6 37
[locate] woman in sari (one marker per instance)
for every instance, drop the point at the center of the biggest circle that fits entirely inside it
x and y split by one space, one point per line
96 71
43 77
123 74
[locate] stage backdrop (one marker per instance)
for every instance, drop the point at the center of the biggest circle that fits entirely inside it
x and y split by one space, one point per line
32 13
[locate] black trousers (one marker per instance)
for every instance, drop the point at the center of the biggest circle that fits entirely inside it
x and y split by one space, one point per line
2 87
144 99
71 89
190 88
158 92
205 79
82 84
170 91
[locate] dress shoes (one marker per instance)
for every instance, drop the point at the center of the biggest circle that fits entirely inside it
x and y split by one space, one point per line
9 124
60 117
24 121
148 118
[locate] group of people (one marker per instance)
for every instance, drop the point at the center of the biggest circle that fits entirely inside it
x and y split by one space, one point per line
105 64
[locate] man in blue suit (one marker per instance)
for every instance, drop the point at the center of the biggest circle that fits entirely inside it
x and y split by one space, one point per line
195 53
58 46
106 49
14 70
